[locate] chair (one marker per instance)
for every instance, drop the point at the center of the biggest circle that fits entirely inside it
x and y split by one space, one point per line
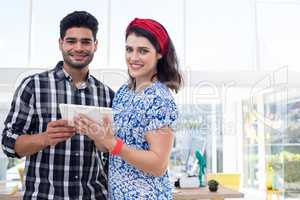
271 186
21 168
271 192
228 180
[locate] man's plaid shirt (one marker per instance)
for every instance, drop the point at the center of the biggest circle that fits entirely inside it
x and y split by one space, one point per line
73 169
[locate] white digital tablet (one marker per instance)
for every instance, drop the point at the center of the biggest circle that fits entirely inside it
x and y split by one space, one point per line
69 111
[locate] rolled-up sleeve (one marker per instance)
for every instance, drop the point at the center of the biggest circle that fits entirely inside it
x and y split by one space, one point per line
19 118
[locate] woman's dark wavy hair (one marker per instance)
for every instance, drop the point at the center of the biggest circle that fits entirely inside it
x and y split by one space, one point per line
79 19
167 66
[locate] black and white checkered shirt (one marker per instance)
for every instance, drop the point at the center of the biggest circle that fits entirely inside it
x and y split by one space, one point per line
73 169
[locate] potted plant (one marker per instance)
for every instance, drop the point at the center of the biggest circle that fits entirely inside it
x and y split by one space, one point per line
213 185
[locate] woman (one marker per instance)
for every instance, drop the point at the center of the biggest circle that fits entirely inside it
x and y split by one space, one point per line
144 110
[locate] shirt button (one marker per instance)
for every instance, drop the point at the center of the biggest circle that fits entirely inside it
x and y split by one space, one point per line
76 154
76 177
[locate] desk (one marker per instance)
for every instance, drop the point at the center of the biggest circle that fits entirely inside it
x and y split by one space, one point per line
204 193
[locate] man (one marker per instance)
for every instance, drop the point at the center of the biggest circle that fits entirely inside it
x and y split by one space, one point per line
60 164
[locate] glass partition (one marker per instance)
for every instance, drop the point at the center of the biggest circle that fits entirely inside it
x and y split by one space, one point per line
271 143
198 127
250 144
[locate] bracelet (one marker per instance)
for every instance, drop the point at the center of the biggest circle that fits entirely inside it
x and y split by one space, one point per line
117 148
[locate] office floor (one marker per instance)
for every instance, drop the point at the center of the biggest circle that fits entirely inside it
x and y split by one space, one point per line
252 194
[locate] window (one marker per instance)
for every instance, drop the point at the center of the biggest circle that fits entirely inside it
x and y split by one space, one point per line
198 127
14 34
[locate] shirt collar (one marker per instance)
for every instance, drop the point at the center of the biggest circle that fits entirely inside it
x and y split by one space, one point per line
62 74
58 71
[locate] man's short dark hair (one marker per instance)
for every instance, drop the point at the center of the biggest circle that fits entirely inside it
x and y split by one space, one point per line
79 19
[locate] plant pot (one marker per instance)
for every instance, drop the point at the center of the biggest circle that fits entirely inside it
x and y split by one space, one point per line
213 185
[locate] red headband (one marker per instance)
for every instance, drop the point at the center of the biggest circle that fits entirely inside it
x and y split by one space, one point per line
155 28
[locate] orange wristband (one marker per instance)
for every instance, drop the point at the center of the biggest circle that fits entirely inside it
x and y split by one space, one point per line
117 148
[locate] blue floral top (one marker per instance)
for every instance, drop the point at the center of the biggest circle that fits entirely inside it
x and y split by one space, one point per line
135 113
